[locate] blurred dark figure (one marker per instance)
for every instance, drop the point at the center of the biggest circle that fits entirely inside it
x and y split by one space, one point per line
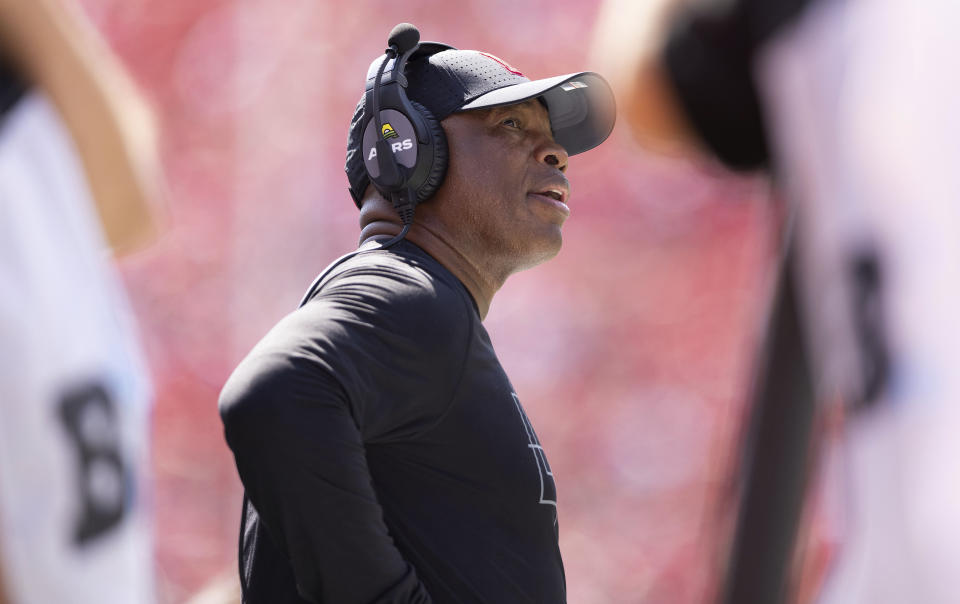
851 106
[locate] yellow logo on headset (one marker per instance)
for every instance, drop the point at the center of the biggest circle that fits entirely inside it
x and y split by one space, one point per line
387 131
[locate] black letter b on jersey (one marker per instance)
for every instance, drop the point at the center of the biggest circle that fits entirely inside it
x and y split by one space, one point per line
103 483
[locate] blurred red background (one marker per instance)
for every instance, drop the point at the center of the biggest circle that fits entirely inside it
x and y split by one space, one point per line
632 350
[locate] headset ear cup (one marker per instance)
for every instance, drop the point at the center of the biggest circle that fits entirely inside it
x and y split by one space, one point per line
439 168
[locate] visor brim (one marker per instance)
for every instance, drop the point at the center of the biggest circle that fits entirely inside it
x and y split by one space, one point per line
581 107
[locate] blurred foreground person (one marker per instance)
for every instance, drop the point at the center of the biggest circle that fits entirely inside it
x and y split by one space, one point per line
77 169
385 455
851 105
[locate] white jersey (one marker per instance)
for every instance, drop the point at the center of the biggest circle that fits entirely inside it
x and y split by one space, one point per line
74 397
862 97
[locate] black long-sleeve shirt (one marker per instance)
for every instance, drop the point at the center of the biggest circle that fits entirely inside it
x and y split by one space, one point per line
384 451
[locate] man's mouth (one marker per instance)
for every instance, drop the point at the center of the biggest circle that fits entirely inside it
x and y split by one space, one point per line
558 195
556 192
555 197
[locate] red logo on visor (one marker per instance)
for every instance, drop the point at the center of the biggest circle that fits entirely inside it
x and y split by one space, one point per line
508 66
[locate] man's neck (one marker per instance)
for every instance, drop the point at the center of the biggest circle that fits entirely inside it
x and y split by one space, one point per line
481 285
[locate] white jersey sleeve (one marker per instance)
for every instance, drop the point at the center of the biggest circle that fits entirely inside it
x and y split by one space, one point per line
74 396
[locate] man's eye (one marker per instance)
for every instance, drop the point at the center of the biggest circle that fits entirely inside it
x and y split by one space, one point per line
512 122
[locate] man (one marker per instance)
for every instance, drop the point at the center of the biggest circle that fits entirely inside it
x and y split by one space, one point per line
852 106
78 176
384 452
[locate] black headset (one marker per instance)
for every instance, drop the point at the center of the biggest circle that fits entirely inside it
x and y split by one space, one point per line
407 161
403 145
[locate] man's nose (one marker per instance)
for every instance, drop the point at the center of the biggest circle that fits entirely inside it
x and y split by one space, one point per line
552 154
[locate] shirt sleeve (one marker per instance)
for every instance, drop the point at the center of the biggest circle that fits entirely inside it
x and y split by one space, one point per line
345 370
